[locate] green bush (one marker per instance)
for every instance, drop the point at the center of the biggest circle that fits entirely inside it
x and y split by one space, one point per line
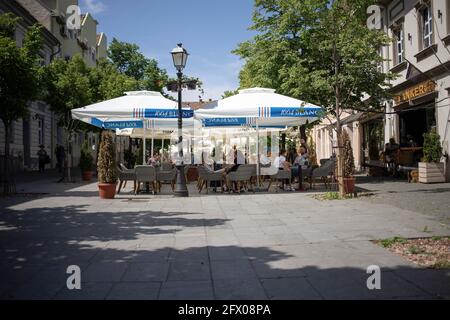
86 159
432 149
106 164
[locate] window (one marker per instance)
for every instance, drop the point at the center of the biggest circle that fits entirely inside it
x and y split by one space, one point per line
12 131
399 45
427 27
41 130
380 63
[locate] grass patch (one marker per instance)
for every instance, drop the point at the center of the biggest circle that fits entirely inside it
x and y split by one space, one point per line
333 195
415 250
432 252
442 264
386 243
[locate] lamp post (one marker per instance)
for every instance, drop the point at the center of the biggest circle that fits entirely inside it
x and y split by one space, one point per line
179 56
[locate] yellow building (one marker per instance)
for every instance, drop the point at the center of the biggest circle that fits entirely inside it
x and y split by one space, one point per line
84 41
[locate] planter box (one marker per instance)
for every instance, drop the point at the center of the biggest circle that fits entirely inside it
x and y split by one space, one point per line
431 172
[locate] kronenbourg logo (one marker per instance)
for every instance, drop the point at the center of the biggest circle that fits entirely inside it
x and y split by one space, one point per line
222 121
123 124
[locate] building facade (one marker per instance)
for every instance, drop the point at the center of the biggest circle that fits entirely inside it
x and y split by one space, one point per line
40 126
420 55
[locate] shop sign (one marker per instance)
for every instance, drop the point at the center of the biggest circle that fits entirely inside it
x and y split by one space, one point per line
415 92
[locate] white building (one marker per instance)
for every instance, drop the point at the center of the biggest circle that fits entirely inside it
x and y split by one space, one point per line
420 55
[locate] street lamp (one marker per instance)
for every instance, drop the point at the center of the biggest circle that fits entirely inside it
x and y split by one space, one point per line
179 56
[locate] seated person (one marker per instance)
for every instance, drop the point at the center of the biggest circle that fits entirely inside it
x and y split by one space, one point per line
282 164
264 160
301 163
390 154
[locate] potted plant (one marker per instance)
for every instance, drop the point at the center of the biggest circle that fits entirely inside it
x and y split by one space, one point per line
106 166
86 163
349 164
431 169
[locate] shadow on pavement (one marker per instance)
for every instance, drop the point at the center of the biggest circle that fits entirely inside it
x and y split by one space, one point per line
158 255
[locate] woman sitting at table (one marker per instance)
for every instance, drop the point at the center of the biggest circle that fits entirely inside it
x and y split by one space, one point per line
301 163
282 164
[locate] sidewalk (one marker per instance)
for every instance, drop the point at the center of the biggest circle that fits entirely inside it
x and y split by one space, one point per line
248 246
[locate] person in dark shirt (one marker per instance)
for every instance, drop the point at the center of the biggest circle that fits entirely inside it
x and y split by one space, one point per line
42 158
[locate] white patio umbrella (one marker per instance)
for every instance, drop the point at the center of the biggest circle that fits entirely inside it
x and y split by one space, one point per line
131 110
259 107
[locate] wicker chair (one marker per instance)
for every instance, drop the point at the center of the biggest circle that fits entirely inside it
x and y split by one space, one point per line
206 176
124 176
325 173
165 176
145 174
242 177
280 176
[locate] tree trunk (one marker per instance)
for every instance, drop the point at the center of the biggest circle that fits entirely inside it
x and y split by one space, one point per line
283 141
303 132
340 163
8 183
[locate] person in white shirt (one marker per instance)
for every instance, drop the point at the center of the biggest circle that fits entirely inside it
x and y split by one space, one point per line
240 159
229 154
281 163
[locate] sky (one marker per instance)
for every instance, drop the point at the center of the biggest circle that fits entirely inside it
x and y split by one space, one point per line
208 29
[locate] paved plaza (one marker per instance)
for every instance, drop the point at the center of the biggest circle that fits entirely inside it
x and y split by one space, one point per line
216 246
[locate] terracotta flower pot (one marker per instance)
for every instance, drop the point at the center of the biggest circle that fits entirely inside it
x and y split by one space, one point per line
349 185
107 190
86 175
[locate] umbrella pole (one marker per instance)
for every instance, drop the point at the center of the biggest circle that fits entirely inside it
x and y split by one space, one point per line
144 143
153 141
258 156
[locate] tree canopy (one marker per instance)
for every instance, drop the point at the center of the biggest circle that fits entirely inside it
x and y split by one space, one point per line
301 44
130 61
19 69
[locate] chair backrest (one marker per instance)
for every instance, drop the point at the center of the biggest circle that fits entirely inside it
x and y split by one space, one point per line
326 169
145 173
203 171
246 171
323 161
269 171
166 166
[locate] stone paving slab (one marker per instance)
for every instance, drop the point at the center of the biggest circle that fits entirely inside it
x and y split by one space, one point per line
248 246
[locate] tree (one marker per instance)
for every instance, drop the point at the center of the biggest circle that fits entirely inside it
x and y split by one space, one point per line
68 86
229 93
130 61
19 79
320 51
107 83
107 159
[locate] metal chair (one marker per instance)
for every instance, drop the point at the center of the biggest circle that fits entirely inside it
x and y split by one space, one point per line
324 172
145 174
242 177
206 176
165 176
124 176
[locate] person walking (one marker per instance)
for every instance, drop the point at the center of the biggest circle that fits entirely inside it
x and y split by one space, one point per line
43 158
